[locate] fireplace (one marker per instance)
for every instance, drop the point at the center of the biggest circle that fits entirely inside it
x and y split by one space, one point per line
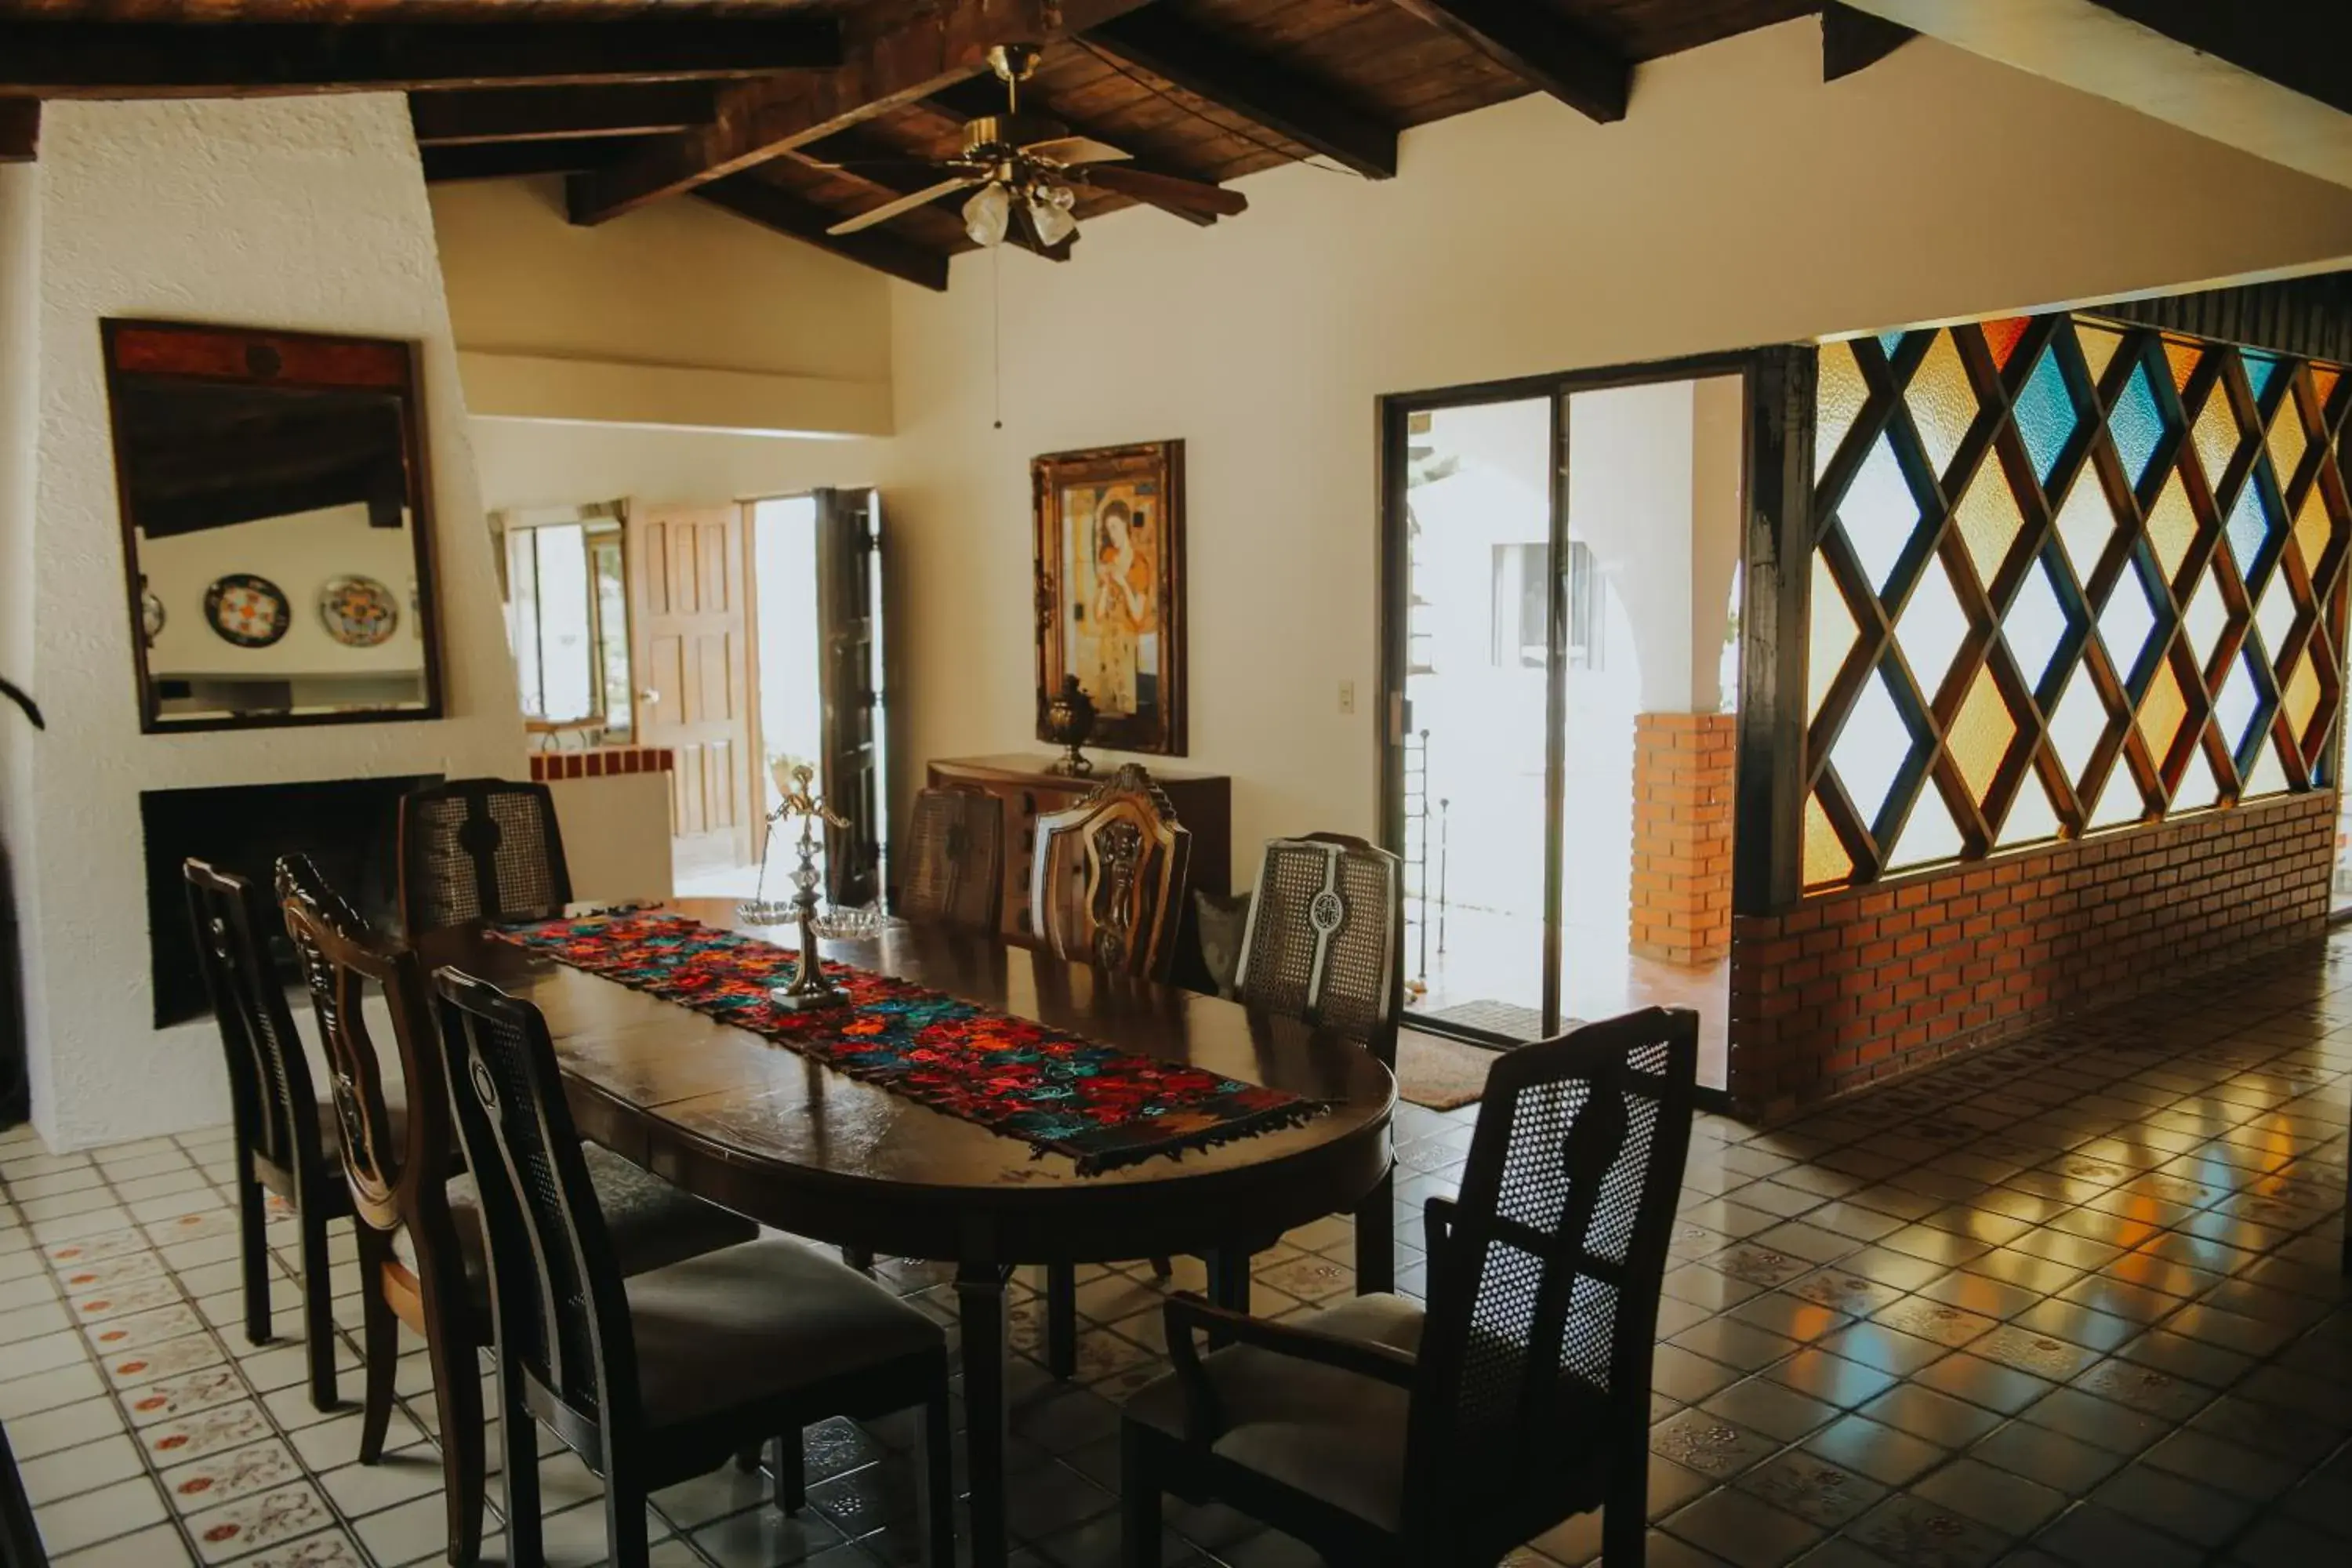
349 827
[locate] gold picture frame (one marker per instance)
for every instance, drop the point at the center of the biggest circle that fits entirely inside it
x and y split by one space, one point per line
1110 590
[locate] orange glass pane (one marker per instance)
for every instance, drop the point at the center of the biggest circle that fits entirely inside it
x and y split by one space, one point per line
2324 379
1830 640
2184 358
1840 395
1943 405
2085 524
2288 440
2302 694
1990 521
2161 710
1826 862
2001 337
2313 529
2099 346
2217 436
2171 527
1981 734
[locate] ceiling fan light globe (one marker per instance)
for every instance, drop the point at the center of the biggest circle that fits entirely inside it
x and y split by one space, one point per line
988 215
1052 217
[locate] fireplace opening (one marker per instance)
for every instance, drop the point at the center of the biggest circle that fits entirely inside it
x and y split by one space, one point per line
351 827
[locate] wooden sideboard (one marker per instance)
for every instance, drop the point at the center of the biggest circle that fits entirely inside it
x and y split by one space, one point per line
1026 791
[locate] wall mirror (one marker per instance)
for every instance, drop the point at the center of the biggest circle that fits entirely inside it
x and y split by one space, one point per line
275 526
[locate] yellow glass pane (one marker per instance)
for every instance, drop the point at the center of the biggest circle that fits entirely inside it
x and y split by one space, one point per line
1990 521
2216 435
2302 695
2171 527
1942 403
2288 439
2313 529
2184 358
1831 637
2085 524
1826 861
2099 346
2161 710
1981 734
1840 395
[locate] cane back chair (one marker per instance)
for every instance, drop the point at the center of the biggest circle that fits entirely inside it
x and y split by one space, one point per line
1382 1435
662 1377
288 1139
422 1257
1107 886
484 849
955 850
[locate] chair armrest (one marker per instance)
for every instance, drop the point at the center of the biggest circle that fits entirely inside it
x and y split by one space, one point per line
1188 1313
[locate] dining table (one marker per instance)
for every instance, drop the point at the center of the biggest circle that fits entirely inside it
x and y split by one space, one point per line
759 1128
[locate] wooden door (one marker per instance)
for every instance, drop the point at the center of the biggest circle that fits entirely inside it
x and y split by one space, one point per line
692 637
847 584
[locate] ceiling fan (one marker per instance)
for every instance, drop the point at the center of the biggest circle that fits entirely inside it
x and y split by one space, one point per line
1027 170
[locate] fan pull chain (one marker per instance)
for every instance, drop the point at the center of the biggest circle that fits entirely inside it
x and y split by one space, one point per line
996 330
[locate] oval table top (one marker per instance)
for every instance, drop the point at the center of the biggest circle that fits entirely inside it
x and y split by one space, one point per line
761 1129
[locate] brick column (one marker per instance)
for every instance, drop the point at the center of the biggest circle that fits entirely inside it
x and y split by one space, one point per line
1682 836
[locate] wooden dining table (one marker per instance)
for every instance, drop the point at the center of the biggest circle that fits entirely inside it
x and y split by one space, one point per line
759 1129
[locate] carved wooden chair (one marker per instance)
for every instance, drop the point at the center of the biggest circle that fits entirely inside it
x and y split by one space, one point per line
955 852
1107 886
20 1537
1380 1432
287 1138
422 1257
485 849
657 1379
1325 944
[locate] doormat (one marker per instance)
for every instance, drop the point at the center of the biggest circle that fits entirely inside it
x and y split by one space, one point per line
1506 1018
1440 1074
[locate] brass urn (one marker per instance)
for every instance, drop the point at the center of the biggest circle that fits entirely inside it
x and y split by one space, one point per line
1070 720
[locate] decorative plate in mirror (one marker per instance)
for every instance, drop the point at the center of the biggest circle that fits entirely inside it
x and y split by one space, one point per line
359 611
247 610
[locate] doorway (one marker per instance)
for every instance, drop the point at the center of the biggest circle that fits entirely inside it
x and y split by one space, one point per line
1560 589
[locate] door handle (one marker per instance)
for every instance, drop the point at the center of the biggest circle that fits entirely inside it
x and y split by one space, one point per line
648 695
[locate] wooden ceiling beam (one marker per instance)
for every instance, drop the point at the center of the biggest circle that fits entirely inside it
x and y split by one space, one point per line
1257 89
1541 46
893 52
20 129
1855 41
2302 47
772 206
536 114
505 160
71 58
971 99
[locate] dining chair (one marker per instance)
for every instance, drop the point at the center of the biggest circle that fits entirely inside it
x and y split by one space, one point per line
660 1378
420 1231
1106 883
955 852
289 1140
1381 1433
484 849
20 1537
1325 944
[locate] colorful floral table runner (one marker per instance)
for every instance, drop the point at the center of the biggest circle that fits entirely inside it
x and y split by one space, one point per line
1102 1106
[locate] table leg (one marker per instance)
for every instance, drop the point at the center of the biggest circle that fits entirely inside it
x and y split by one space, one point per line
1229 1283
980 1295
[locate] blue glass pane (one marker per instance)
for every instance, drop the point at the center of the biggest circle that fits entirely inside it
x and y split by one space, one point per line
1889 341
2251 525
2045 414
2260 370
1880 514
2137 425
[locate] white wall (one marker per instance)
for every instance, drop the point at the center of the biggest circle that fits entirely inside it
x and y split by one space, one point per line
532 463
292 213
1742 202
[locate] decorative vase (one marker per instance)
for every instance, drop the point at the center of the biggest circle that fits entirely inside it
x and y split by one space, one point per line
1070 720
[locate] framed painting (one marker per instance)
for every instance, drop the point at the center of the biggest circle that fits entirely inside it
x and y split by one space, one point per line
1110 590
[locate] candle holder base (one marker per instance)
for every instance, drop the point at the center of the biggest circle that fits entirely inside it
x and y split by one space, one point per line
793 1001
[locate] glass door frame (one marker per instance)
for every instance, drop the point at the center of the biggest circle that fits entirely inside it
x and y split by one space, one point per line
1395 414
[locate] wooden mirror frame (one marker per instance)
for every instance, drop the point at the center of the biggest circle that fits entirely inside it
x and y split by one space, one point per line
1161 463
240 356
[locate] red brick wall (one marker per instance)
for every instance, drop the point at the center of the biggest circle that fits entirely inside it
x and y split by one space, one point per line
548 766
1862 984
1683 785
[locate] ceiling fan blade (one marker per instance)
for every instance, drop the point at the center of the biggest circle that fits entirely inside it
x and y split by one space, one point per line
1073 150
878 168
1186 197
905 203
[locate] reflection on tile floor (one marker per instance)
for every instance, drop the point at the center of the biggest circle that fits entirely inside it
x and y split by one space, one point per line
2075 1302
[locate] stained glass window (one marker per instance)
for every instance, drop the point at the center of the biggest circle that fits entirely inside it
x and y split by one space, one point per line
2256 497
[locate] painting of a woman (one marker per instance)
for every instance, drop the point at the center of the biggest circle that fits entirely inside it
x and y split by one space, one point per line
1126 619
1109 555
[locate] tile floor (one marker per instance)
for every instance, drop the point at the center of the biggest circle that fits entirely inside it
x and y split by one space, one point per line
2072 1301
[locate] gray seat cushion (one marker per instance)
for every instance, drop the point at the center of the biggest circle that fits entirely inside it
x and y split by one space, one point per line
652 1223
758 1321
1333 1435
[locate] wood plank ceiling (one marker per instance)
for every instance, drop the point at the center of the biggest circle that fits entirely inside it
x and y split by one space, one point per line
737 102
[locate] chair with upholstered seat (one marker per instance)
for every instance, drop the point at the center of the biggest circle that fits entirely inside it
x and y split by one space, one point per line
423 1260
1106 882
487 850
662 1377
955 859
287 1138
1382 1434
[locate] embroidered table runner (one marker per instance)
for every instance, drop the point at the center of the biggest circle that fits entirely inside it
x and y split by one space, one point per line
1102 1106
